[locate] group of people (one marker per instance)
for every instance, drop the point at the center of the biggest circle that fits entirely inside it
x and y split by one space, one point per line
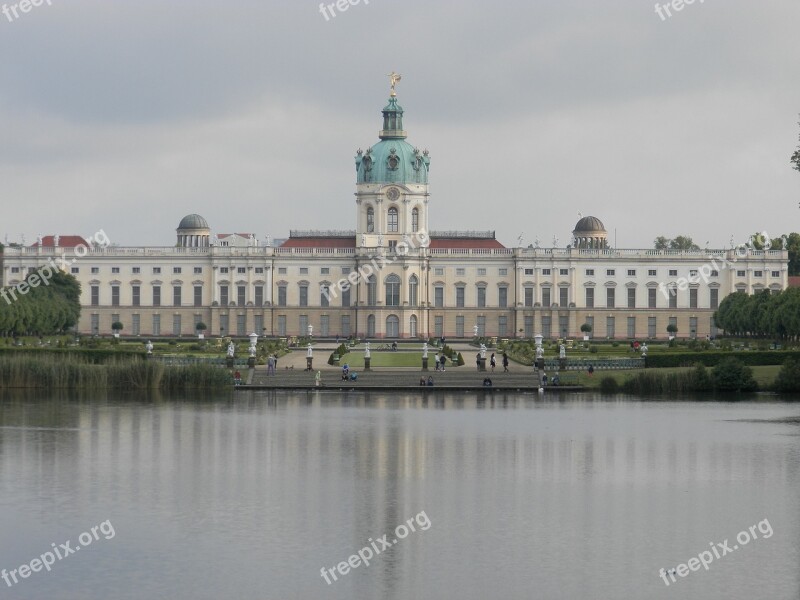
493 362
439 361
347 374
426 382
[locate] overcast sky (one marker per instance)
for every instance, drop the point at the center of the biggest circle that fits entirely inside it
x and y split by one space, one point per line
126 116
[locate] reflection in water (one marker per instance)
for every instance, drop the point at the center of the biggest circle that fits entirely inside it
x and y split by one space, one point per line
267 488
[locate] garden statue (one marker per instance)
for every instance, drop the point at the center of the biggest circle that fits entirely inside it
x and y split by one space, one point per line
252 351
366 351
424 349
309 352
483 351
562 351
231 349
149 347
539 352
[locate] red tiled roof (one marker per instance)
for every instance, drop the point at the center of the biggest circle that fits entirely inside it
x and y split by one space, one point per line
64 241
320 242
465 243
794 281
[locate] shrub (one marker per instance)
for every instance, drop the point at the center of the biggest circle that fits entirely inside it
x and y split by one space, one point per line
593 349
700 379
460 360
732 375
609 385
788 379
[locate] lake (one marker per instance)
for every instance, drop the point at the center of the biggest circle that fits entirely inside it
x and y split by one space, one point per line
288 495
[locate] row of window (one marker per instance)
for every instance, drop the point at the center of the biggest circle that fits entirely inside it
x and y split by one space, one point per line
157 270
650 272
177 295
391 220
611 297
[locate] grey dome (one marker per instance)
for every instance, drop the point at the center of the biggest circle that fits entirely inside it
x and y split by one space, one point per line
589 224
193 222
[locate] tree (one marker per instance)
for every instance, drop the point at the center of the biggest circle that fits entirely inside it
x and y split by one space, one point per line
661 243
683 242
795 160
672 329
117 326
586 328
731 375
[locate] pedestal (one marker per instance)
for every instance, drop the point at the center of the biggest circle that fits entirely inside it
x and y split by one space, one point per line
482 365
562 364
148 356
424 364
309 363
366 363
251 362
229 362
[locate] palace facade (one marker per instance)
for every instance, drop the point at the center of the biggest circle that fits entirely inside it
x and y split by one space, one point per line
393 277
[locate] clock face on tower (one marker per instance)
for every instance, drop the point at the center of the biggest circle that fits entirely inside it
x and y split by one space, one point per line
393 194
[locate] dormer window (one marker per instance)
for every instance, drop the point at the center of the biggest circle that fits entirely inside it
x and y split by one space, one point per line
370 220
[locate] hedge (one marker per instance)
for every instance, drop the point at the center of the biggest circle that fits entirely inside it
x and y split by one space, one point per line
710 359
95 356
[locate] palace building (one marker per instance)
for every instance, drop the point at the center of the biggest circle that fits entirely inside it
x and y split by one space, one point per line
394 277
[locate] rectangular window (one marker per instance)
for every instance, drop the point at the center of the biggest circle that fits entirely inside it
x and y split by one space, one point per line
114 295
241 325
241 270
631 272
392 246
482 272
345 270
438 326
693 298
176 325
156 295
281 295
346 297
775 273
547 328
224 328
502 297
325 270
502 325
631 297
198 270
563 297
673 297
758 273
241 295
304 271
282 325
324 295
673 321
282 271
651 297
156 270
692 272
714 273
460 326
136 270
502 272
259 295
590 272
224 270
259 270
460 296
481 297
563 271
589 297
651 327
546 297
259 324
114 270
528 296
673 272
652 272
176 270
345 325
438 296
528 271
76 270
631 327
545 271
95 295
95 324
223 295
176 295
563 326
528 326
439 271
693 327
136 324
481 323
198 295
95 270
590 322
461 272
611 331
324 325
136 298
156 324
15 270
303 297
611 295
611 272
714 298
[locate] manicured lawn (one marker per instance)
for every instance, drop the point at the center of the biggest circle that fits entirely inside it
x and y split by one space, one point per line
764 375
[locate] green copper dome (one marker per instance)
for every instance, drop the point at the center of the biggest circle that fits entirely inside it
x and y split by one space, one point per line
392 160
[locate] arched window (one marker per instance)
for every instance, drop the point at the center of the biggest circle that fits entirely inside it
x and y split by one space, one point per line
371 326
392 225
392 326
413 286
415 220
392 290
370 220
412 326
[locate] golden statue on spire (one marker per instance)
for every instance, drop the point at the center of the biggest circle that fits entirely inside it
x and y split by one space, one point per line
393 79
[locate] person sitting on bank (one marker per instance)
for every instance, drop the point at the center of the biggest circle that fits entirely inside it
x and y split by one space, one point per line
487 382
394 346
430 381
422 381
556 380
544 379
345 372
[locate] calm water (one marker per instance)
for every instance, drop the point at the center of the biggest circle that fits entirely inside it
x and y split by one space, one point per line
511 496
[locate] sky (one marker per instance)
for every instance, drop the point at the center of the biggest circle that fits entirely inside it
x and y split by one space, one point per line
126 116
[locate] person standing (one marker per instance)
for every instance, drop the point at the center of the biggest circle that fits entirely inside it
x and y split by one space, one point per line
492 362
442 360
270 365
478 360
505 362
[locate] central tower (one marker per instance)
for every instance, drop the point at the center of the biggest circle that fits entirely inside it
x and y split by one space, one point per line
391 184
